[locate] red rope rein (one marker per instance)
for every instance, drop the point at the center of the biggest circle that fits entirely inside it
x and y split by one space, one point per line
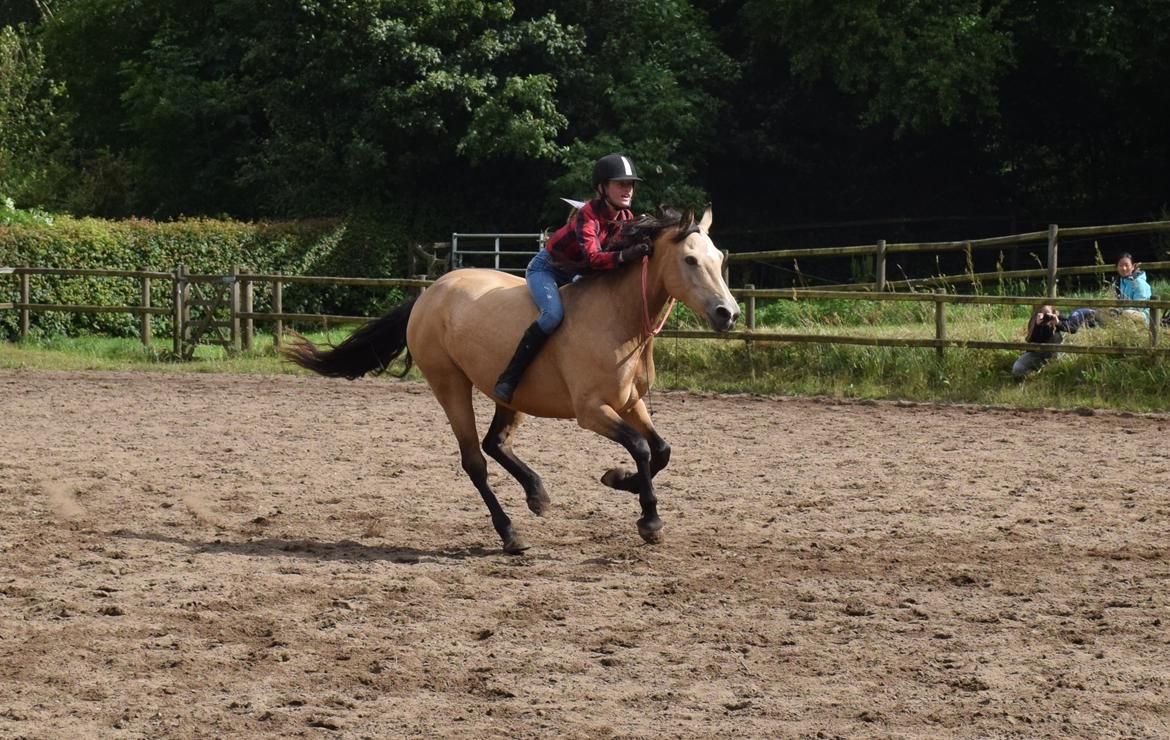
647 324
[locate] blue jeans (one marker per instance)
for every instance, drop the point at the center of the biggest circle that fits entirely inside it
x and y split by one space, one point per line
544 282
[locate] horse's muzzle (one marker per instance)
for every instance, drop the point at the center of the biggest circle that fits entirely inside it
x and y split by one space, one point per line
722 316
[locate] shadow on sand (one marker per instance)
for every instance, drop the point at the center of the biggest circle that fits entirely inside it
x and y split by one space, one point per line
344 550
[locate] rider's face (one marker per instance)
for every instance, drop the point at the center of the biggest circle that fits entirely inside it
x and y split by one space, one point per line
620 193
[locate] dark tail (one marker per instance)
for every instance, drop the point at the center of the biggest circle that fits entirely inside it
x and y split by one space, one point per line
370 349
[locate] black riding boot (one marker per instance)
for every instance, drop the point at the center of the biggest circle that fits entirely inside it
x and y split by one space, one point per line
530 344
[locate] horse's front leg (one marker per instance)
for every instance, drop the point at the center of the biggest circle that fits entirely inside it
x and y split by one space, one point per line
602 419
624 479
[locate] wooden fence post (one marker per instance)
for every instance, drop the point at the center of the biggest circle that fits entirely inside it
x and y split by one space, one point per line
234 306
879 267
1155 322
278 308
24 300
178 296
1052 246
750 312
940 318
726 268
144 326
249 327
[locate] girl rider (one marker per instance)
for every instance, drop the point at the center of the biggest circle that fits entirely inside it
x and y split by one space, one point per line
575 248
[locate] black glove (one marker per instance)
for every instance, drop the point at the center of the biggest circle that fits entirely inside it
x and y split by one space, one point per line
635 251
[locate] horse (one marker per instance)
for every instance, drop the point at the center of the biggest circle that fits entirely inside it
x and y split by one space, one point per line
597 368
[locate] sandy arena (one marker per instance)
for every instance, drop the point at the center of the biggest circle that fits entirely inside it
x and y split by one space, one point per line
212 556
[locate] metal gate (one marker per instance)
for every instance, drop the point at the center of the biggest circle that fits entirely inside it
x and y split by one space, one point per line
506 252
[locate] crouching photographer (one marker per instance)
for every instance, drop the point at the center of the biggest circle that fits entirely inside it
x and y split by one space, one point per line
1047 326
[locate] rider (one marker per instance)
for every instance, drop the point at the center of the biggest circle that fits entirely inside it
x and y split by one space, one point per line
575 248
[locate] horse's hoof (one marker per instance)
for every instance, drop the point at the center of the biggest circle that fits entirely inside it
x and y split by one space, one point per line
620 479
614 476
516 545
539 503
651 530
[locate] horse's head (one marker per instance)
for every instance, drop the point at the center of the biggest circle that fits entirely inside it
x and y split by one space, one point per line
691 270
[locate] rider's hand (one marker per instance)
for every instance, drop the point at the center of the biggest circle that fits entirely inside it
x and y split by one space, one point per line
635 251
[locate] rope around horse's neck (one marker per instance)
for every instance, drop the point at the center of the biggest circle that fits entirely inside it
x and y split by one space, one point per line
651 330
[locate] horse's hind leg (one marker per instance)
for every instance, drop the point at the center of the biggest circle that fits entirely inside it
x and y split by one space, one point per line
624 479
498 443
454 394
603 420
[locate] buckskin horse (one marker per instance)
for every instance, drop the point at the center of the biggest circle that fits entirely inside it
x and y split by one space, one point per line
597 367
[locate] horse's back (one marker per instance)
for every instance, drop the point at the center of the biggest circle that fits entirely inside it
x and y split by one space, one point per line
474 301
469 322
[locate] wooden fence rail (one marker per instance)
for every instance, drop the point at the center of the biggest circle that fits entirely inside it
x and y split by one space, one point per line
940 299
25 306
937 344
999 276
239 304
880 249
242 314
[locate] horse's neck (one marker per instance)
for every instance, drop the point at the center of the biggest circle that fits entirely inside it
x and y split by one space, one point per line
619 300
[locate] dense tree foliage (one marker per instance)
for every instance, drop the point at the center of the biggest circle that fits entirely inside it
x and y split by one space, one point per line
31 130
448 114
1004 111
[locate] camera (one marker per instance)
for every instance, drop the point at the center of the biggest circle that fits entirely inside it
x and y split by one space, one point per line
1046 318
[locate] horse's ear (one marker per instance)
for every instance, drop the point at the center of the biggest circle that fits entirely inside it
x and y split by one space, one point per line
708 217
686 220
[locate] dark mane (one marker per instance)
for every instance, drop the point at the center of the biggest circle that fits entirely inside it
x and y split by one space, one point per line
648 227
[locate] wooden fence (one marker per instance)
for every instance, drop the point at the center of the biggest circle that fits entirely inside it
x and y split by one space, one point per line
941 300
234 295
241 317
881 250
143 309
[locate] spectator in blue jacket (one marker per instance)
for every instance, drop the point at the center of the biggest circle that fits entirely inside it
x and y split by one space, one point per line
1132 286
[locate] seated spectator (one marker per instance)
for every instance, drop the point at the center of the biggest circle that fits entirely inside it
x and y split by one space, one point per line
1131 286
1046 326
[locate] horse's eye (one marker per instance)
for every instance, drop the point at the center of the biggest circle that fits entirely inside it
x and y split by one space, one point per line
691 260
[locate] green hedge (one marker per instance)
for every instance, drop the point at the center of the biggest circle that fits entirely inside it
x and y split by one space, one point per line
362 246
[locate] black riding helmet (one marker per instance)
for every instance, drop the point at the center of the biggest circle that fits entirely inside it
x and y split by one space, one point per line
614 167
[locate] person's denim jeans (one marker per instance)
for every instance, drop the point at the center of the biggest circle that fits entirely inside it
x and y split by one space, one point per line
544 282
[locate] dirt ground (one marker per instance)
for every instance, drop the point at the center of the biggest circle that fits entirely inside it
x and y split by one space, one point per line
213 556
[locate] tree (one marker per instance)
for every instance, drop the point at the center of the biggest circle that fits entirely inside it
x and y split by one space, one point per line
916 63
648 85
876 108
32 132
306 107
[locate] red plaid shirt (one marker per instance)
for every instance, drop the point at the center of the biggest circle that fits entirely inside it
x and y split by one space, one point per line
580 244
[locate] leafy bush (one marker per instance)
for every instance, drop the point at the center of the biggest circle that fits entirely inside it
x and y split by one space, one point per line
358 247
10 214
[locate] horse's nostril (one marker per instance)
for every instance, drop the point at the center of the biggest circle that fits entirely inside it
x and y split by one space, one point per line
723 318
